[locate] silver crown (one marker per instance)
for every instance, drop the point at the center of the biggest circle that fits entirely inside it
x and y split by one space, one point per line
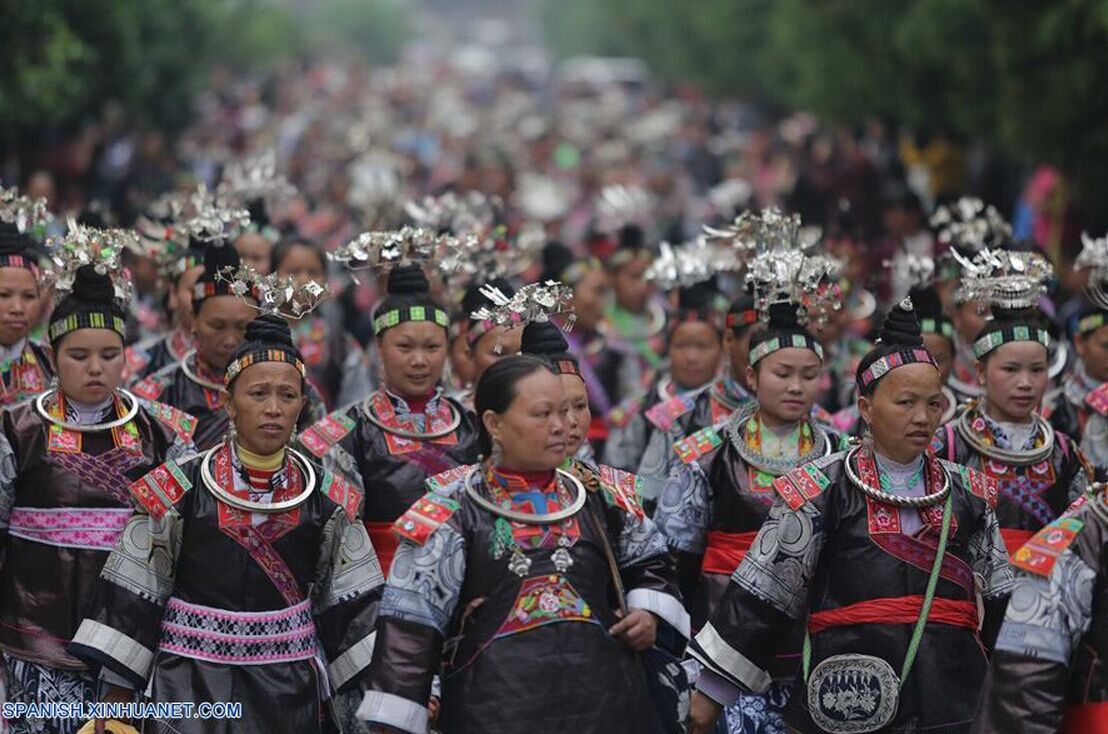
255 177
619 206
1009 280
683 266
25 213
969 225
100 248
918 271
495 254
207 217
472 212
381 251
273 293
1094 258
535 302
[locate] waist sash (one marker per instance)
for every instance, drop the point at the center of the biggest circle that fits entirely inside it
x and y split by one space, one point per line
87 528
896 610
725 551
1089 718
384 542
238 638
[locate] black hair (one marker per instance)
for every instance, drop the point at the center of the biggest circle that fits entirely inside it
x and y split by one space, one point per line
284 247
218 258
268 331
743 304
407 286
496 390
92 292
1005 319
544 339
899 332
556 259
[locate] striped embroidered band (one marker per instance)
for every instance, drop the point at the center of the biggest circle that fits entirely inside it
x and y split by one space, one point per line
396 316
934 326
87 320
797 341
567 367
18 261
1019 333
1092 322
741 318
889 362
262 355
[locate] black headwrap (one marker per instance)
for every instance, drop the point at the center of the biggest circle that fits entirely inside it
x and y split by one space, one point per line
218 258
1011 325
696 304
17 248
409 299
929 309
268 339
544 339
783 331
899 342
91 304
741 314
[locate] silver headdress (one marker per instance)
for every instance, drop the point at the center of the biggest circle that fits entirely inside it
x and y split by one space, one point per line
619 206
1009 280
382 251
101 248
1094 258
755 232
376 189
255 177
969 226
683 266
25 213
495 254
272 293
471 212
917 271
207 217
535 302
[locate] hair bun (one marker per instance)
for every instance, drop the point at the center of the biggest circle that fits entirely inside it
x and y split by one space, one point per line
697 296
407 280
91 286
543 338
219 257
632 237
782 317
556 259
12 241
926 302
901 327
269 329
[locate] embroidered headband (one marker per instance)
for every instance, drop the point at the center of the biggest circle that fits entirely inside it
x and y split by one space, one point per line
889 362
19 261
797 341
738 319
1090 323
1008 334
389 319
942 327
263 355
86 320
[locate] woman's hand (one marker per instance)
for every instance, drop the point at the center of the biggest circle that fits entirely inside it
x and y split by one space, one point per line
113 694
703 713
637 630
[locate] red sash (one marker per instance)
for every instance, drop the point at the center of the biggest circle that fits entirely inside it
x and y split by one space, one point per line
384 541
1089 718
725 551
896 610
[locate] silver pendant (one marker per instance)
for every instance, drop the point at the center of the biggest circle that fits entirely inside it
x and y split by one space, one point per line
519 564
562 560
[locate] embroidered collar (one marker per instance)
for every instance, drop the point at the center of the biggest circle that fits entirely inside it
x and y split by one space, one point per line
198 373
403 408
748 435
12 353
995 434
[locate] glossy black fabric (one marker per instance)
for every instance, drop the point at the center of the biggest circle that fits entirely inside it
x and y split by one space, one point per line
44 588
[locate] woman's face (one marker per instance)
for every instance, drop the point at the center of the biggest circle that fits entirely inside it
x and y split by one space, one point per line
590 298
19 304
694 354
969 319
461 364
942 349
219 327
786 383
413 355
1015 378
90 364
631 287
484 354
303 264
1092 348
255 251
904 411
532 431
264 403
580 416
180 296
738 352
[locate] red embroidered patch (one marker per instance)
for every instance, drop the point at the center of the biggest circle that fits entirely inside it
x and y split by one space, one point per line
342 493
1098 399
319 438
624 489
424 517
1039 554
150 388
160 489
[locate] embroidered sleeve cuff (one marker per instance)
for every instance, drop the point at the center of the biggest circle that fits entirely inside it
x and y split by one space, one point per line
388 709
663 605
101 641
711 650
352 662
717 688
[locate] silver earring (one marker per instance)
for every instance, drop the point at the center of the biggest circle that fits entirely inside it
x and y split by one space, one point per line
232 432
496 454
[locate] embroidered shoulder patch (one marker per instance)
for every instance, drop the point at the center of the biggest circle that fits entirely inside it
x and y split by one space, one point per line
801 485
160 489
150 387
621 415
135 358
977 482
342 493
180 422
1098 399
622 488
322 435
1039 554
696 445
441 483
665 414
425 517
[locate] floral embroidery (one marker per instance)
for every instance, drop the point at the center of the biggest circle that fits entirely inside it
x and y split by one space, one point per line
545 600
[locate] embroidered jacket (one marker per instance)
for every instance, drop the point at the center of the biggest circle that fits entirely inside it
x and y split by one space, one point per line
1047 672
26 375
337 365
199 595
514 602
152 355
63 504
827 549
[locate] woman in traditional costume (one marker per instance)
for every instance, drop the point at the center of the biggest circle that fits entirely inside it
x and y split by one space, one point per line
887 553
1039 471
407 431
509 565
247 575
66 459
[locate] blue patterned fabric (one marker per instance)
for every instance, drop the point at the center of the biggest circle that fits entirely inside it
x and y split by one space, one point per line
31 683
759 713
